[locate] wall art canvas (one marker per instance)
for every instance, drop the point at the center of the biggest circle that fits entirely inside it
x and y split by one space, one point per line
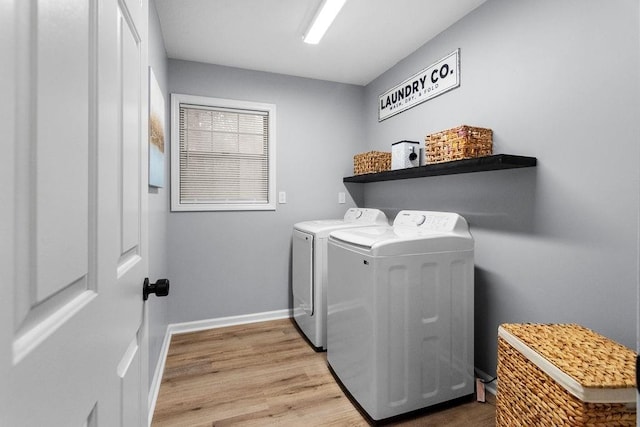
156 132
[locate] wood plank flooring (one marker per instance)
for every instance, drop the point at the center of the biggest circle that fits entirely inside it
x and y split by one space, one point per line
266 374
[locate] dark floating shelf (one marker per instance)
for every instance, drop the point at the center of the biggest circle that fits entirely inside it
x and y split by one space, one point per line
480 164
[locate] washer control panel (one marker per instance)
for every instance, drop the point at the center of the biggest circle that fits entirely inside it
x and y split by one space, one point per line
426 220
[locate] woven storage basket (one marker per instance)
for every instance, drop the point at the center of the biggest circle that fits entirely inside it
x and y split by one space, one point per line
563 375
462 142
371 162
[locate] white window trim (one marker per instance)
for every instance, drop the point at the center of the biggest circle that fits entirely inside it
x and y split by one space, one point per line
176 100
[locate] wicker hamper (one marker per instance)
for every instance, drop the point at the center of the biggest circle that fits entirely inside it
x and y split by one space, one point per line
462 142
371 162
563 375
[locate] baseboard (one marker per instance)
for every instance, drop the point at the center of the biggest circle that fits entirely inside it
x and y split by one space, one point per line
491 387
154 388
200 325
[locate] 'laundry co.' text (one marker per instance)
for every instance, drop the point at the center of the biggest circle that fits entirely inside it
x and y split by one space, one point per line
438 78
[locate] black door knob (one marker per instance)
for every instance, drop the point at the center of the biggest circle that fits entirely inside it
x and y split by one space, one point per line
160 288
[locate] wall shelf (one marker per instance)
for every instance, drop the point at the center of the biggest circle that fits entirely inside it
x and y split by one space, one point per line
480 164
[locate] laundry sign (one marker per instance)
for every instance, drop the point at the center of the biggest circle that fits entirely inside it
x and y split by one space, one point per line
434 80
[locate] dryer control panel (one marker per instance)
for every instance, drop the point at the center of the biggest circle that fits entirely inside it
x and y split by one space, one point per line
366 215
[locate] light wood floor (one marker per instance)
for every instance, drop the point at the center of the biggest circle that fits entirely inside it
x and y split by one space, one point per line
267 374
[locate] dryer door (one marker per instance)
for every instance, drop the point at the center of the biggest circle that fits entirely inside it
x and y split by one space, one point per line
302 272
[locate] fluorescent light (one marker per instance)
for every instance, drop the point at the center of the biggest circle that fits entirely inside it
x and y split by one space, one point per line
323 19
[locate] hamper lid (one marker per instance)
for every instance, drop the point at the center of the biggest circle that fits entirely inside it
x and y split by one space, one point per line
588 365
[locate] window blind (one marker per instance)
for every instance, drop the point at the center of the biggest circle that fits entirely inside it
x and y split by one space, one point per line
224 155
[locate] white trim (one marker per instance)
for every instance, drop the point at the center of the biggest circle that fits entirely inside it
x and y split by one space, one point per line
154 388
176 205
200 325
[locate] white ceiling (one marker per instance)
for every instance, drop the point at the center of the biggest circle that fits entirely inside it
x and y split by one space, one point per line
367 38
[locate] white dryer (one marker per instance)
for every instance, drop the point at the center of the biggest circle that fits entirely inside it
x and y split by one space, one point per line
400 312
309 269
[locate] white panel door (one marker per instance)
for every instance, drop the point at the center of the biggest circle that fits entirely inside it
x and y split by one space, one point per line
73 218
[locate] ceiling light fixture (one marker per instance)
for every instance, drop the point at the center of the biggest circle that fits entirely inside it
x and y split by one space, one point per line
322 21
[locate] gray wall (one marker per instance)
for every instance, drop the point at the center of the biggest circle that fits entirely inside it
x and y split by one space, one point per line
233 263
158 206
556 243
557 80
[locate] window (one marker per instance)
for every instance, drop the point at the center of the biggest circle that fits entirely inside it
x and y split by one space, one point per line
222 154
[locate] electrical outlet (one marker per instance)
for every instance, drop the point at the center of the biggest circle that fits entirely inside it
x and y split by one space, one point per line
282 197
341 198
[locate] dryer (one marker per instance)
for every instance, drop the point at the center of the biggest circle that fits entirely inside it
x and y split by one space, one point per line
309 269
400 312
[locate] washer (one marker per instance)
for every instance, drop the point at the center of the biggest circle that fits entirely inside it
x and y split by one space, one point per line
309 269
400 312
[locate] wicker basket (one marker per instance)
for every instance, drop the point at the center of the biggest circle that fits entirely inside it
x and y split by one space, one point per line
563 375
371 162
462 142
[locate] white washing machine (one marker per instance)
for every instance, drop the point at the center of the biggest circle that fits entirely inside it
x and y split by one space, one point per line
400 312
309 269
